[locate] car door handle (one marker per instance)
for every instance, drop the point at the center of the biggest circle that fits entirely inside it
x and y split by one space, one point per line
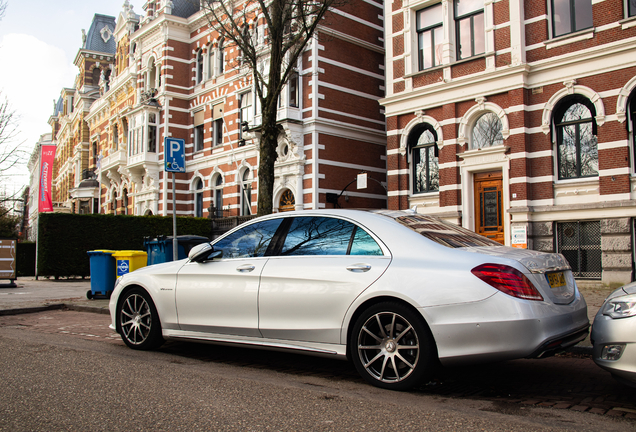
359 268
245 268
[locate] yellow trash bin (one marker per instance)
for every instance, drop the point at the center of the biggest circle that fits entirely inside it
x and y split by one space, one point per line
129 260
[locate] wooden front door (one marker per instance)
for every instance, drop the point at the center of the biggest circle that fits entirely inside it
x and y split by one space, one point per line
489 205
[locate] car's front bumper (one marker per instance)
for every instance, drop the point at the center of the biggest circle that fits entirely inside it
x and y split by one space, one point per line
607 331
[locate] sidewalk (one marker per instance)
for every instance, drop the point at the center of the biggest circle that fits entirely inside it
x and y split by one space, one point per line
32 295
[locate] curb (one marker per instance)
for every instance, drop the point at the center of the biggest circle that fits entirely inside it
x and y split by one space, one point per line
57 306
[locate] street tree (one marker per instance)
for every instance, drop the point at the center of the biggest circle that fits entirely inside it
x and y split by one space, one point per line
289 27
11 149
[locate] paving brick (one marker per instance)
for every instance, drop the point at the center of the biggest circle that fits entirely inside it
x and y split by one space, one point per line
580 408
615 413
600 411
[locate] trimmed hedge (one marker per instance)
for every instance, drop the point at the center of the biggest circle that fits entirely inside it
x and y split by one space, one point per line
25 259
65 238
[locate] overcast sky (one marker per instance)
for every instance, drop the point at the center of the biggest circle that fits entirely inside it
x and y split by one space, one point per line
39 40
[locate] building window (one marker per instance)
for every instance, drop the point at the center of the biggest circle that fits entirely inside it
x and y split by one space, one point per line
218 196
425 164
246 194
199 70
430 36
631 111
487 131
218 132
569 16
152 132
293 91
577 149
471 35
220 58
115 136
631 8
245 113
580 244
125 201
198 198
198 138
97 74
94 153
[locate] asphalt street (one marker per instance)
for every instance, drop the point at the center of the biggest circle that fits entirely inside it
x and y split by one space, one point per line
46 331
63 381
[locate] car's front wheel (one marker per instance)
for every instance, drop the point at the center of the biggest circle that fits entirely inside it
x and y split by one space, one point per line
392 347
137 320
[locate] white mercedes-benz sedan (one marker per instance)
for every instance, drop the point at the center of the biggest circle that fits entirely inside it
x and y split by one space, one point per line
394 291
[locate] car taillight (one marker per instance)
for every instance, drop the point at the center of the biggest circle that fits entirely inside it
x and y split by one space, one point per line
508 280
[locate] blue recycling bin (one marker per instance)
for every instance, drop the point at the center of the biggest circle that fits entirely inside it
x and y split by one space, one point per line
160 249
102 265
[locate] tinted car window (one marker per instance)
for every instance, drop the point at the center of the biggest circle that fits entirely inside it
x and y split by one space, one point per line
318 236
363 244
251 241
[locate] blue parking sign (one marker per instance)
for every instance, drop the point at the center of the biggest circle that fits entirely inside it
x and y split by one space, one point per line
174 154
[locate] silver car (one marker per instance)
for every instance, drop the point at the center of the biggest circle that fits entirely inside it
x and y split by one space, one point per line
614 335
394 291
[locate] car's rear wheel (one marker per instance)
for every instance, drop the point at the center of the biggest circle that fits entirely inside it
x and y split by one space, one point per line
137 320
392 347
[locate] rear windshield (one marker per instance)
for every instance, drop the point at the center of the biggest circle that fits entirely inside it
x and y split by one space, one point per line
439 231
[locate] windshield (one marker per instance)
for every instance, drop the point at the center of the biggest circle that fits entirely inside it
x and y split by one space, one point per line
439 231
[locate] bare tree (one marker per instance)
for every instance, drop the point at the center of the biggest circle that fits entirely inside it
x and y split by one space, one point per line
289 26
3 8
11 152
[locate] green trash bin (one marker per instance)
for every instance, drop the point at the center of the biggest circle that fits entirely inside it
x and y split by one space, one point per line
127 261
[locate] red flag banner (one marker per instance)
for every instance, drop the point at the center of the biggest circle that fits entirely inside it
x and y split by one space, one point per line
45 197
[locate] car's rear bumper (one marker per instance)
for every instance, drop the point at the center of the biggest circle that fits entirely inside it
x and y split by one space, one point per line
505 328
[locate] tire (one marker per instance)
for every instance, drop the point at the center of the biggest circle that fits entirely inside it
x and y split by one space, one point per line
137 320
89 295
392 347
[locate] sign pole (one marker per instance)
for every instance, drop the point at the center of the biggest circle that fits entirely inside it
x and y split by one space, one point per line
175 243
174 159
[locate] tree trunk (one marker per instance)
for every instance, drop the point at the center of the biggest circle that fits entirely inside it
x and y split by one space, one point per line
267 159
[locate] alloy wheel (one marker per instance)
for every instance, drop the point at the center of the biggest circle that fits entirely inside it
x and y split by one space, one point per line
388 347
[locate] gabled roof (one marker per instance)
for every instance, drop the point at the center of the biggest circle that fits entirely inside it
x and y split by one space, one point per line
100 36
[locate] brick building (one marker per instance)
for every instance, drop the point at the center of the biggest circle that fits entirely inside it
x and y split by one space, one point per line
74 187
169 75
516 119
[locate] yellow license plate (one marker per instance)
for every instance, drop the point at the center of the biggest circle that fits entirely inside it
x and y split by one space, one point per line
556 279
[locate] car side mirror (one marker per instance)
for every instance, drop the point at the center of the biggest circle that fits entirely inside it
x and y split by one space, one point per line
202 252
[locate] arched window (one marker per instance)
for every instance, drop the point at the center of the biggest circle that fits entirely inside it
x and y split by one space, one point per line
220 58
287 201
210 58
218 196
424 160
152 74
96 75
577 149
125 201
246 194
198 198
114 202
487 131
